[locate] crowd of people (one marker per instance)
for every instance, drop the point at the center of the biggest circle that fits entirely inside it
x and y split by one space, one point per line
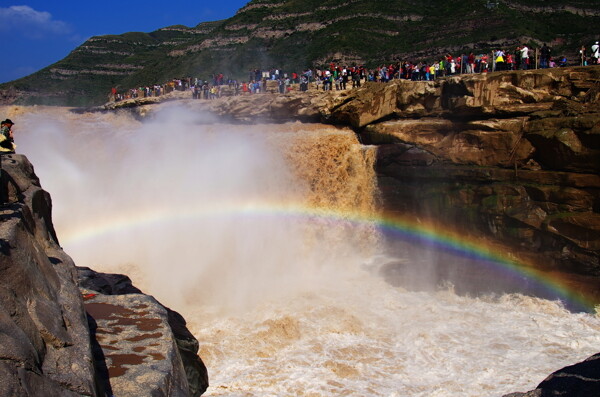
341 77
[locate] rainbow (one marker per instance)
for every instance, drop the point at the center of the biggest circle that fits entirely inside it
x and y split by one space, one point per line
404 227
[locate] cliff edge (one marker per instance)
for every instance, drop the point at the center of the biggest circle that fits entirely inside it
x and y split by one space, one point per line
513 155
59 340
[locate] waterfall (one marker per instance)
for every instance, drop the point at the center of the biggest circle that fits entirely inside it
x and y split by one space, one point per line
260 236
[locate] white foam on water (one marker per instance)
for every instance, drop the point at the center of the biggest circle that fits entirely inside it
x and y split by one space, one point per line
368 338
280 305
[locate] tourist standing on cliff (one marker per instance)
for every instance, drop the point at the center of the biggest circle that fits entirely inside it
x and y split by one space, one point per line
7 146
524 57
500 59
544 56
582 56
596 53
509 62
281 86
471 63
7 142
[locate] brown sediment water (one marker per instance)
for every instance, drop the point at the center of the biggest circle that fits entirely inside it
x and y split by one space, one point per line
244 231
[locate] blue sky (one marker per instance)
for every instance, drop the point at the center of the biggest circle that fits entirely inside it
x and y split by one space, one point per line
37 33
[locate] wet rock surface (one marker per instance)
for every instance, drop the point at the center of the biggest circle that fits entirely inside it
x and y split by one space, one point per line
134 335
134 348
581 379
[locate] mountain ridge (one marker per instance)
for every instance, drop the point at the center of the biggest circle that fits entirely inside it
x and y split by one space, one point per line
295 35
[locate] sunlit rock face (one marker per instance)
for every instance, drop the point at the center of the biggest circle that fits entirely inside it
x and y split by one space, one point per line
515 154
44 339
140 347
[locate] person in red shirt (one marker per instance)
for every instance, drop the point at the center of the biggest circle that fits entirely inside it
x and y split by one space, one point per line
471 63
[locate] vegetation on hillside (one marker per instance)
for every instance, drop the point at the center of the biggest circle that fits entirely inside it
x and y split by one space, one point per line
299 34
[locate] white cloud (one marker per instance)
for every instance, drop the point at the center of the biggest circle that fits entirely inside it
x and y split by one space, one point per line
31 23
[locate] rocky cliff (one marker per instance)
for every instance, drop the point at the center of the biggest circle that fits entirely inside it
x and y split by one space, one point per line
514 155
511 155
45 345
103 337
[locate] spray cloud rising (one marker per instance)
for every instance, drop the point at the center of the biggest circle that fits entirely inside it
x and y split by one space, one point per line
279 304
176 200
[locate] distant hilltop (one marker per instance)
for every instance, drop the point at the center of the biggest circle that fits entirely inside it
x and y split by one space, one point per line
294 35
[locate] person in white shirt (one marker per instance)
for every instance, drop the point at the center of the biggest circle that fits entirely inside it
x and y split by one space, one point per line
524 57
596 53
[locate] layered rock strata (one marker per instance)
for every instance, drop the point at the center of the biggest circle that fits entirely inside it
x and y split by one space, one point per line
515 155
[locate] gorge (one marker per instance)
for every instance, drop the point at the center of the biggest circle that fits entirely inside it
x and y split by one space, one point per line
327 259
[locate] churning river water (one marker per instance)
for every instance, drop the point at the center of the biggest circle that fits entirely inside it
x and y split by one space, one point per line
259 236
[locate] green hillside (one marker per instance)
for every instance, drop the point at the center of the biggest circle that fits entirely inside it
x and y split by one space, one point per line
297 34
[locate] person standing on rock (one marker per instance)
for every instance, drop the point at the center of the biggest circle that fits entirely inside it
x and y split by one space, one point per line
544 56
281 86
582 56
509 61
500 60
7 142
7 146
471 63
524 57
596 53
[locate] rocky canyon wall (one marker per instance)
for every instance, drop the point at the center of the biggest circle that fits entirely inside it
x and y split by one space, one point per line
44 346
514 155
57 338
